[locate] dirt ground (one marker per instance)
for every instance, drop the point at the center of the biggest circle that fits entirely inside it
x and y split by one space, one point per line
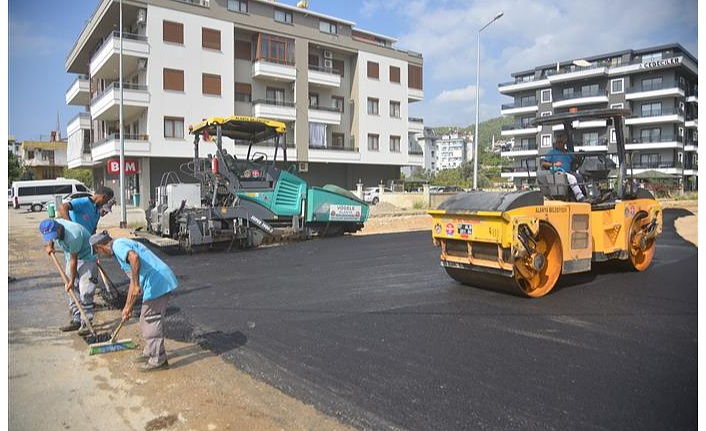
53 383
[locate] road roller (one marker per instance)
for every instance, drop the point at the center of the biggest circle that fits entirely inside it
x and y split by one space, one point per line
523 241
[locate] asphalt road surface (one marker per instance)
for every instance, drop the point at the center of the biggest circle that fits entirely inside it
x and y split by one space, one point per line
370 329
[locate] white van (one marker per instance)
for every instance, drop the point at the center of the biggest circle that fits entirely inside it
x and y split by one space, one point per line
34 194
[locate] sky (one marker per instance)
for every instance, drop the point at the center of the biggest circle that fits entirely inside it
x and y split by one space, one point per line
530 33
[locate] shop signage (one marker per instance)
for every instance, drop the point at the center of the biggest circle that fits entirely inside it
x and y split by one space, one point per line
131 166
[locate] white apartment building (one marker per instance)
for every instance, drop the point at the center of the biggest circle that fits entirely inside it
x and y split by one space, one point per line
452 150
343 92
660 86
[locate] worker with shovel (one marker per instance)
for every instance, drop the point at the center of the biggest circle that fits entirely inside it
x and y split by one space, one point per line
81 269
150 278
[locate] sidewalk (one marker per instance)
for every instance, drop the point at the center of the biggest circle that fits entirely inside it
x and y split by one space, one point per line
135 217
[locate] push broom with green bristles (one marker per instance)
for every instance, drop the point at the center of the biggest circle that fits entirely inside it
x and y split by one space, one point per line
112 345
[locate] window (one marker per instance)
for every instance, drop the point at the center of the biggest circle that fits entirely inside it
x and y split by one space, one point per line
589 139
284 16
651 84
414 77
275 49
238 6
616 106
313 100
546 95
173 127
374 142
613 138
373 106
243 50
526 122
394 109
394 74
328 27
173 32
275 96
337 103
567 93
210 38
653 109
589 90
243 92
617 85
395 144
373 70
337 140
651 135
338 67
646 58
546 141
528 101
173 79
211 84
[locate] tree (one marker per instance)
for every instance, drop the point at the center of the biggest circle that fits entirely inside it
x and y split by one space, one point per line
85 175
14 170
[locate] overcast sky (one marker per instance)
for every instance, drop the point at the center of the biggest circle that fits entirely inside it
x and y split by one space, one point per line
530 33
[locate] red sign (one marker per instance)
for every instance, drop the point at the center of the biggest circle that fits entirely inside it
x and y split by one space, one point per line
131 166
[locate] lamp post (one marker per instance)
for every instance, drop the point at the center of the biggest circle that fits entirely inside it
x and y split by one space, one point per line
123 209
475 138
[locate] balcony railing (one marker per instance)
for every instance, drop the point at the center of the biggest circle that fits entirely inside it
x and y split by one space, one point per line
656 86
116 137
527 147
325 108
650 139
116 85
202 3
332 148
653 165
580 94
274 102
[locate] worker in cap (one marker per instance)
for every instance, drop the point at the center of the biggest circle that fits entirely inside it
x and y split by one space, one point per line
81 269
87 211
150 278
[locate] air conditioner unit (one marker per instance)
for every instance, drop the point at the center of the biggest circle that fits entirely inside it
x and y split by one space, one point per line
303 167
141 16
328 54
328 64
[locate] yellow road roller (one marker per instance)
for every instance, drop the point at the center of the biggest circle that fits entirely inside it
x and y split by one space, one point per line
523 241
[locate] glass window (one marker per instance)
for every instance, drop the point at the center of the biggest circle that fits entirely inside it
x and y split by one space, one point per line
284 16
337 103
395 144
173 127
373 106
589 139
313 100
651 109
374 142
616 85
276 49
546 141
373 70
328 27
394 109
651 135
173 32
275 96
646 58
238 6
546 95
651 84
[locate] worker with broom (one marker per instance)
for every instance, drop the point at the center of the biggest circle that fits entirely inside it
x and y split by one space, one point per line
81 268
150 278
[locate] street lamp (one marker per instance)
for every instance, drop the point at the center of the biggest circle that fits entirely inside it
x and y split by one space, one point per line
475 138
123 209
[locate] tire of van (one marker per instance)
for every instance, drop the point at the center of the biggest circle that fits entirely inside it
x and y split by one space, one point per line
36 207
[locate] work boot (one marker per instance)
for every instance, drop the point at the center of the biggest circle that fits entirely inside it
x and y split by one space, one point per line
140 358
72 326
150 367
83 330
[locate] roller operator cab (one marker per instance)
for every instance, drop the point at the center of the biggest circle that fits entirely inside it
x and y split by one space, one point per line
245 201
522 242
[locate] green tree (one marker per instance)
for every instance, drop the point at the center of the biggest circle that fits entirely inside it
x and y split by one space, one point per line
14 170
85 175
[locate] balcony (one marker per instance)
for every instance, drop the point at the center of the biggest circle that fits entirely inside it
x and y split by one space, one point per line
324 77
82 121
415 125
661 90
135 146
105 106
518 129
105 62
415 95
324 114
329 153
518 171
578 98
79 93
523 108
276 110
522 85
519 150
263 69
657 116
656 142
573 73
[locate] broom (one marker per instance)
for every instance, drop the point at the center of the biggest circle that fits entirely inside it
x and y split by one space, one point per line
73 295
111 345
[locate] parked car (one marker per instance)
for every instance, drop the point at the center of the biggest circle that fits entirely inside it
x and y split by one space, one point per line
372 194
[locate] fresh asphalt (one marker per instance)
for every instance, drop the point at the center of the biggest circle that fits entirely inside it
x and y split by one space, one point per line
370 329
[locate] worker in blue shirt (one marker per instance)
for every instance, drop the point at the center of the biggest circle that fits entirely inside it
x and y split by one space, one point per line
150 278
558 160
81 269
87 211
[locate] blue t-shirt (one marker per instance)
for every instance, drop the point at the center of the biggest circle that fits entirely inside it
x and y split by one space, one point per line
555 155
86 213
156 278
75 241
